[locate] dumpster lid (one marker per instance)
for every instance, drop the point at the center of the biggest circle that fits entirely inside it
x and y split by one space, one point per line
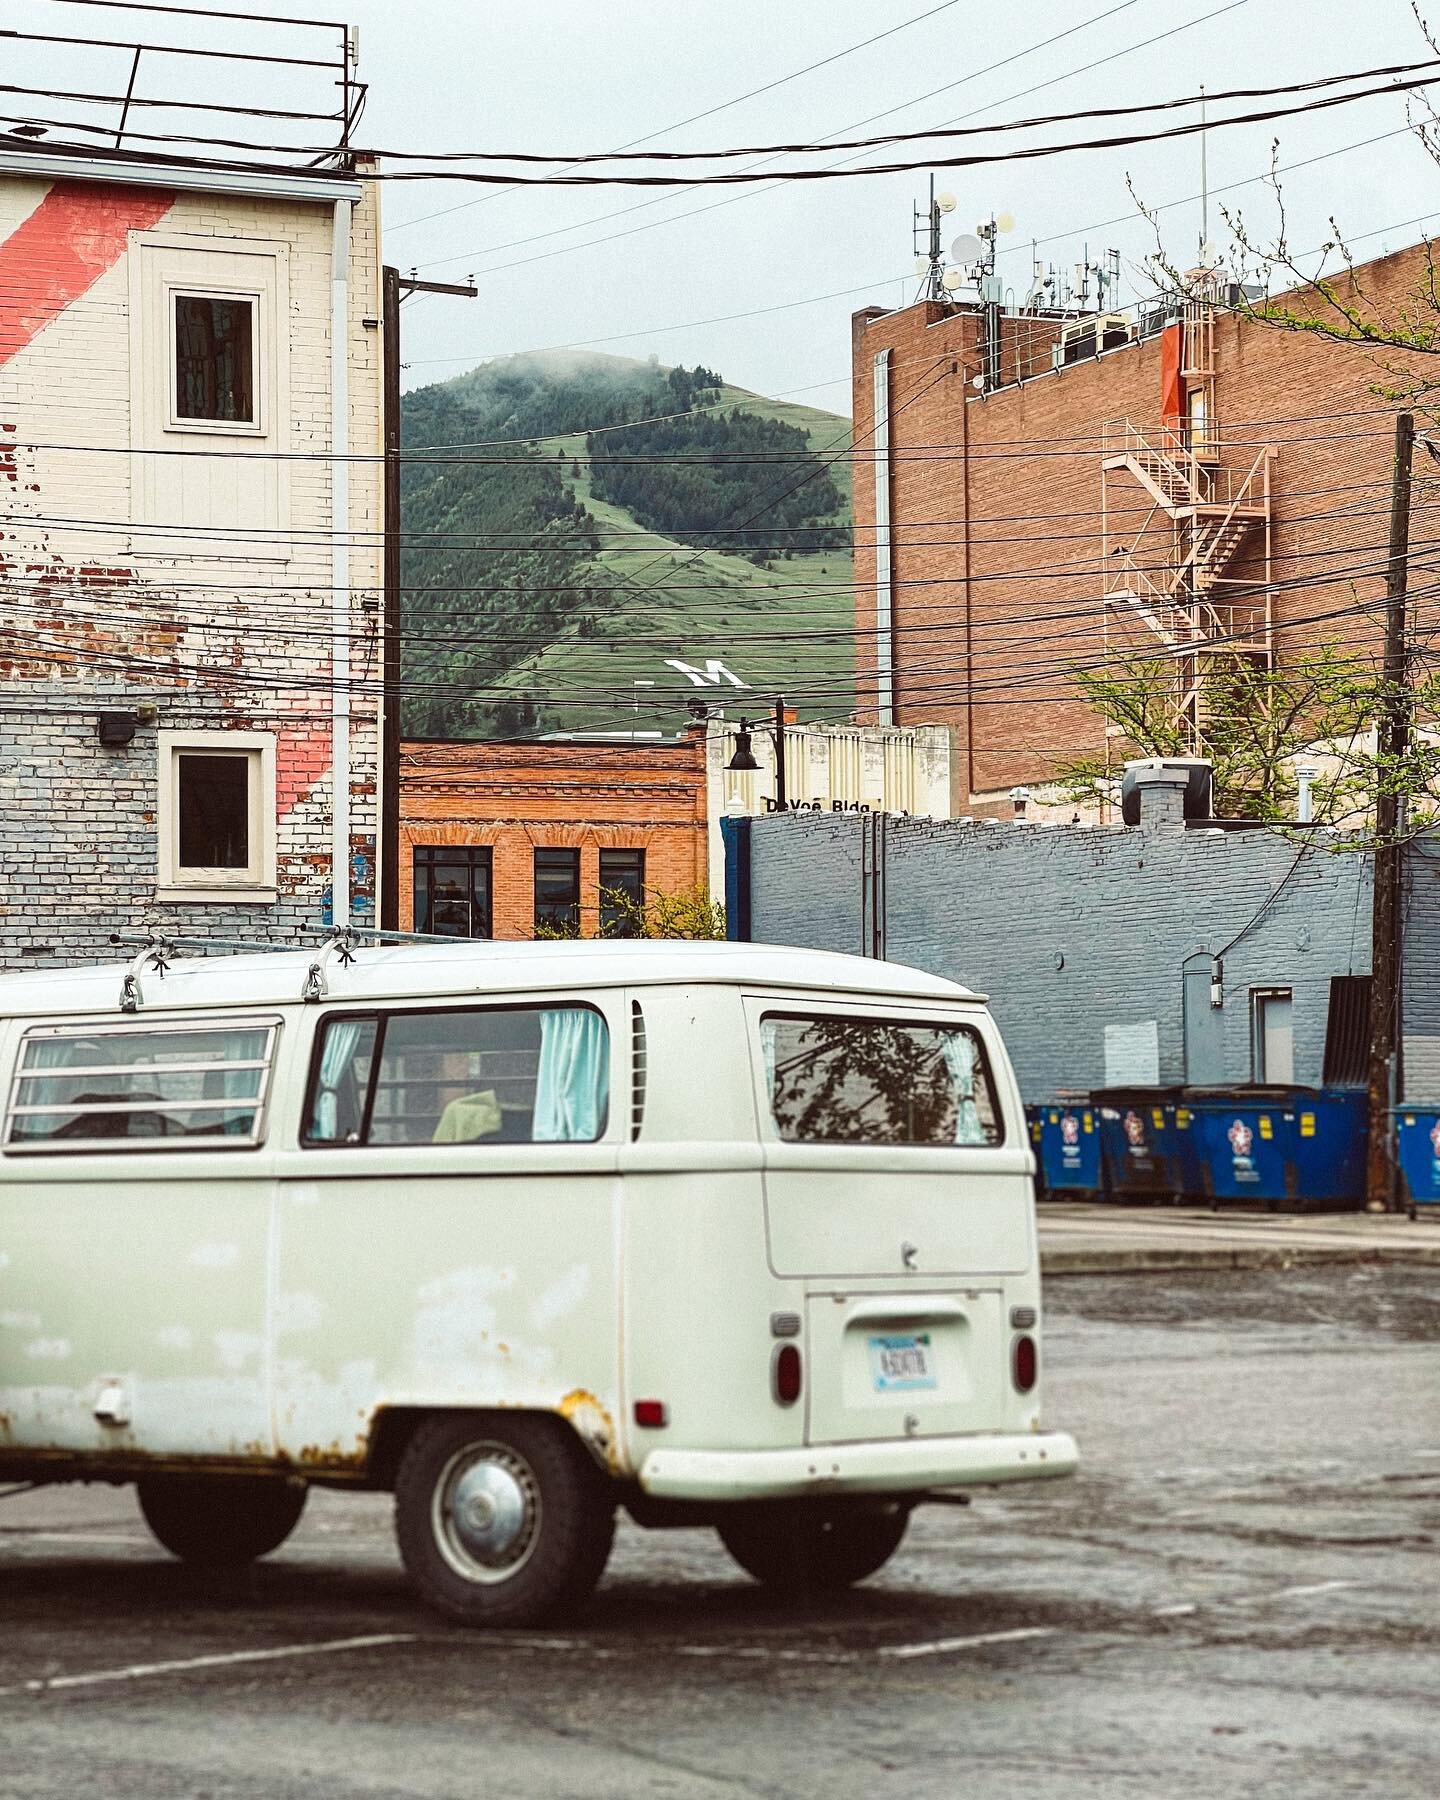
1254 1093
1135 1096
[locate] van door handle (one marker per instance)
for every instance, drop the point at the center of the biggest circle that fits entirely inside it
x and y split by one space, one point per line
935 1307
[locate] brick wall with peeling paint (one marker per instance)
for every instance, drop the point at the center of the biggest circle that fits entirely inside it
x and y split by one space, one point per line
214 612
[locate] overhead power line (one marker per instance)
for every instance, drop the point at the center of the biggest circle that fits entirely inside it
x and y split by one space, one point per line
710 111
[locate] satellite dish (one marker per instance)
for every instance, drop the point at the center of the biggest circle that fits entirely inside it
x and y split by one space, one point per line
967 248
922 265
953 278
946 202
1004 221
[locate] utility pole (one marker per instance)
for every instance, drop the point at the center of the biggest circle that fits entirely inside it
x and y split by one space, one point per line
1392 736
394 288
780 795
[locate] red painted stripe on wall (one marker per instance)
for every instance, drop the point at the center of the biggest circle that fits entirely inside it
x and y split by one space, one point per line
76 233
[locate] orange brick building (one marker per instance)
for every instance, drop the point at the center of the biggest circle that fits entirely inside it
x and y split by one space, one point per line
1193 477
499 837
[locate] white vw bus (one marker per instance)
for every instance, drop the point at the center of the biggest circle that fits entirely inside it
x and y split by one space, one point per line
724 1234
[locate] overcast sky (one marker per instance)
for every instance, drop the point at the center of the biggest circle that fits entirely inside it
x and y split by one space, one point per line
556 266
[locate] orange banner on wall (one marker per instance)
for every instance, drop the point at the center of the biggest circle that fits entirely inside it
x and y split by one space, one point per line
1172 385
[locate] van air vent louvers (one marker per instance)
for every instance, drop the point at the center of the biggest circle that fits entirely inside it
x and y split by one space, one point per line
637 1069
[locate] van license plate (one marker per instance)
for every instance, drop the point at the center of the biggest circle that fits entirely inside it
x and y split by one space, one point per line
902 1362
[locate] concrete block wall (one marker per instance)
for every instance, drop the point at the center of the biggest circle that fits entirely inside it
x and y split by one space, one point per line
1070 930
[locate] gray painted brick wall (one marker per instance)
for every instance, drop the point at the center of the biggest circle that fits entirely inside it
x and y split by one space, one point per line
79 847
1070 930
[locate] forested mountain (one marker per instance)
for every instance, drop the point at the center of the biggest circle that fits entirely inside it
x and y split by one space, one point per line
551 562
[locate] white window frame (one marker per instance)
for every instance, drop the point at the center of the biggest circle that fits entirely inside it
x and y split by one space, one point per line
107 1146
259 362
255 882
192 492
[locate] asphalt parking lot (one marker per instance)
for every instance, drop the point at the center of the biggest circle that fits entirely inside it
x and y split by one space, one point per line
1240 1592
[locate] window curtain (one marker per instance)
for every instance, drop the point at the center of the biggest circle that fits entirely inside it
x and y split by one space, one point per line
340 1043
959 1054
572 1088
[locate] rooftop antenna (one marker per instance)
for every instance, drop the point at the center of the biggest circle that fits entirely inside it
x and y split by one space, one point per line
1204 182
930 264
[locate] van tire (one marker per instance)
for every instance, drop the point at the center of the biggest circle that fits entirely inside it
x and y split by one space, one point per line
808 1548
502 1519
220 1521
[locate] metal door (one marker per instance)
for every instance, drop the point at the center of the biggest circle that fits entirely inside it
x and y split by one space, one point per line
1204 1030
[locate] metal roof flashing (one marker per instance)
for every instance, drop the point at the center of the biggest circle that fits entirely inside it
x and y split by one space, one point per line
50 163
483 968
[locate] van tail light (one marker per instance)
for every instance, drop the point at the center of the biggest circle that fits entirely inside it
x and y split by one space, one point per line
1024 1364
654 1415
786 1374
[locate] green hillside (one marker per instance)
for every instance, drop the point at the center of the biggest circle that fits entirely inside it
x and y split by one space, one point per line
551 572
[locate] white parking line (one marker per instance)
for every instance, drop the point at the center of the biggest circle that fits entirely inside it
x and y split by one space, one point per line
1256 1599
948 1646
16 1534
139 1671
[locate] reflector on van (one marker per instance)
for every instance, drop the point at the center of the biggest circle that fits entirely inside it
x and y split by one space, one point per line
786 1374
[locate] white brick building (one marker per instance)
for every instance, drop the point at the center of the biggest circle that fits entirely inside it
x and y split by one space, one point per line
190 574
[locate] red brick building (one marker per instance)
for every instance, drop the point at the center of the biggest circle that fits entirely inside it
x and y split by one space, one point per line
499 838
1192 482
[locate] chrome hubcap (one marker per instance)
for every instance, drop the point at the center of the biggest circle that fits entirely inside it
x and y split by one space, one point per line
487 1512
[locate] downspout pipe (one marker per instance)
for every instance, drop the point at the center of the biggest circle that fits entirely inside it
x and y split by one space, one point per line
340 565
884 550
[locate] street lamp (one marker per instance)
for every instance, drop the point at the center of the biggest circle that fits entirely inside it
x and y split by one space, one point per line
744 757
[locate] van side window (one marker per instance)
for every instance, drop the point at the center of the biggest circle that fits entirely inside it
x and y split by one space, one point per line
204 1088
492 1075
834 1080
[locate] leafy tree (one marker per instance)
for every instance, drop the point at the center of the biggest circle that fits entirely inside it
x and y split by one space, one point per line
1317 707
687 913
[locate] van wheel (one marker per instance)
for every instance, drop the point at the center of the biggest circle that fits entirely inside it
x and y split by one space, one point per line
802 1548
220 1521
501 1521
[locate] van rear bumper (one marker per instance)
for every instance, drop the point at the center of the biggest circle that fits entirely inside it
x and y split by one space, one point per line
894 1466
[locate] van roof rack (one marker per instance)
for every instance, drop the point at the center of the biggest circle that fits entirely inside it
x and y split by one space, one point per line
160 948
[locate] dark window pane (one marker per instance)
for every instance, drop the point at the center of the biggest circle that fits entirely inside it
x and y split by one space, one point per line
452 890
870 1081
214 809
557 890
214 359
622 892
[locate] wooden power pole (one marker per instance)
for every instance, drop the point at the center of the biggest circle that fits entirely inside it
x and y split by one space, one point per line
394 288
1392 745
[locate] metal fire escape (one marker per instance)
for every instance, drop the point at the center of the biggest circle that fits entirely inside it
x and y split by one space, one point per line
1172 563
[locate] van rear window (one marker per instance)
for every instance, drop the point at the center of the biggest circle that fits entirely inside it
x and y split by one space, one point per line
493 1075
164 1086
836 1080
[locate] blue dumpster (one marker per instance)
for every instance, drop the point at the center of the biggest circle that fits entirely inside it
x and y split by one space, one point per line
1066 1140
1276 1145
1146 1142
1417 1133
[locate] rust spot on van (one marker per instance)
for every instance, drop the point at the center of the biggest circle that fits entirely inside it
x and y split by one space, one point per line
590 1419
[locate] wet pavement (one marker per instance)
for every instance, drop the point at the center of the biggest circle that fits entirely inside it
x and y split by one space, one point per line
1240 1593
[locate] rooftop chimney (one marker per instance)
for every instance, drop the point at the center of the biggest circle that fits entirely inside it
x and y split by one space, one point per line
1164 791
